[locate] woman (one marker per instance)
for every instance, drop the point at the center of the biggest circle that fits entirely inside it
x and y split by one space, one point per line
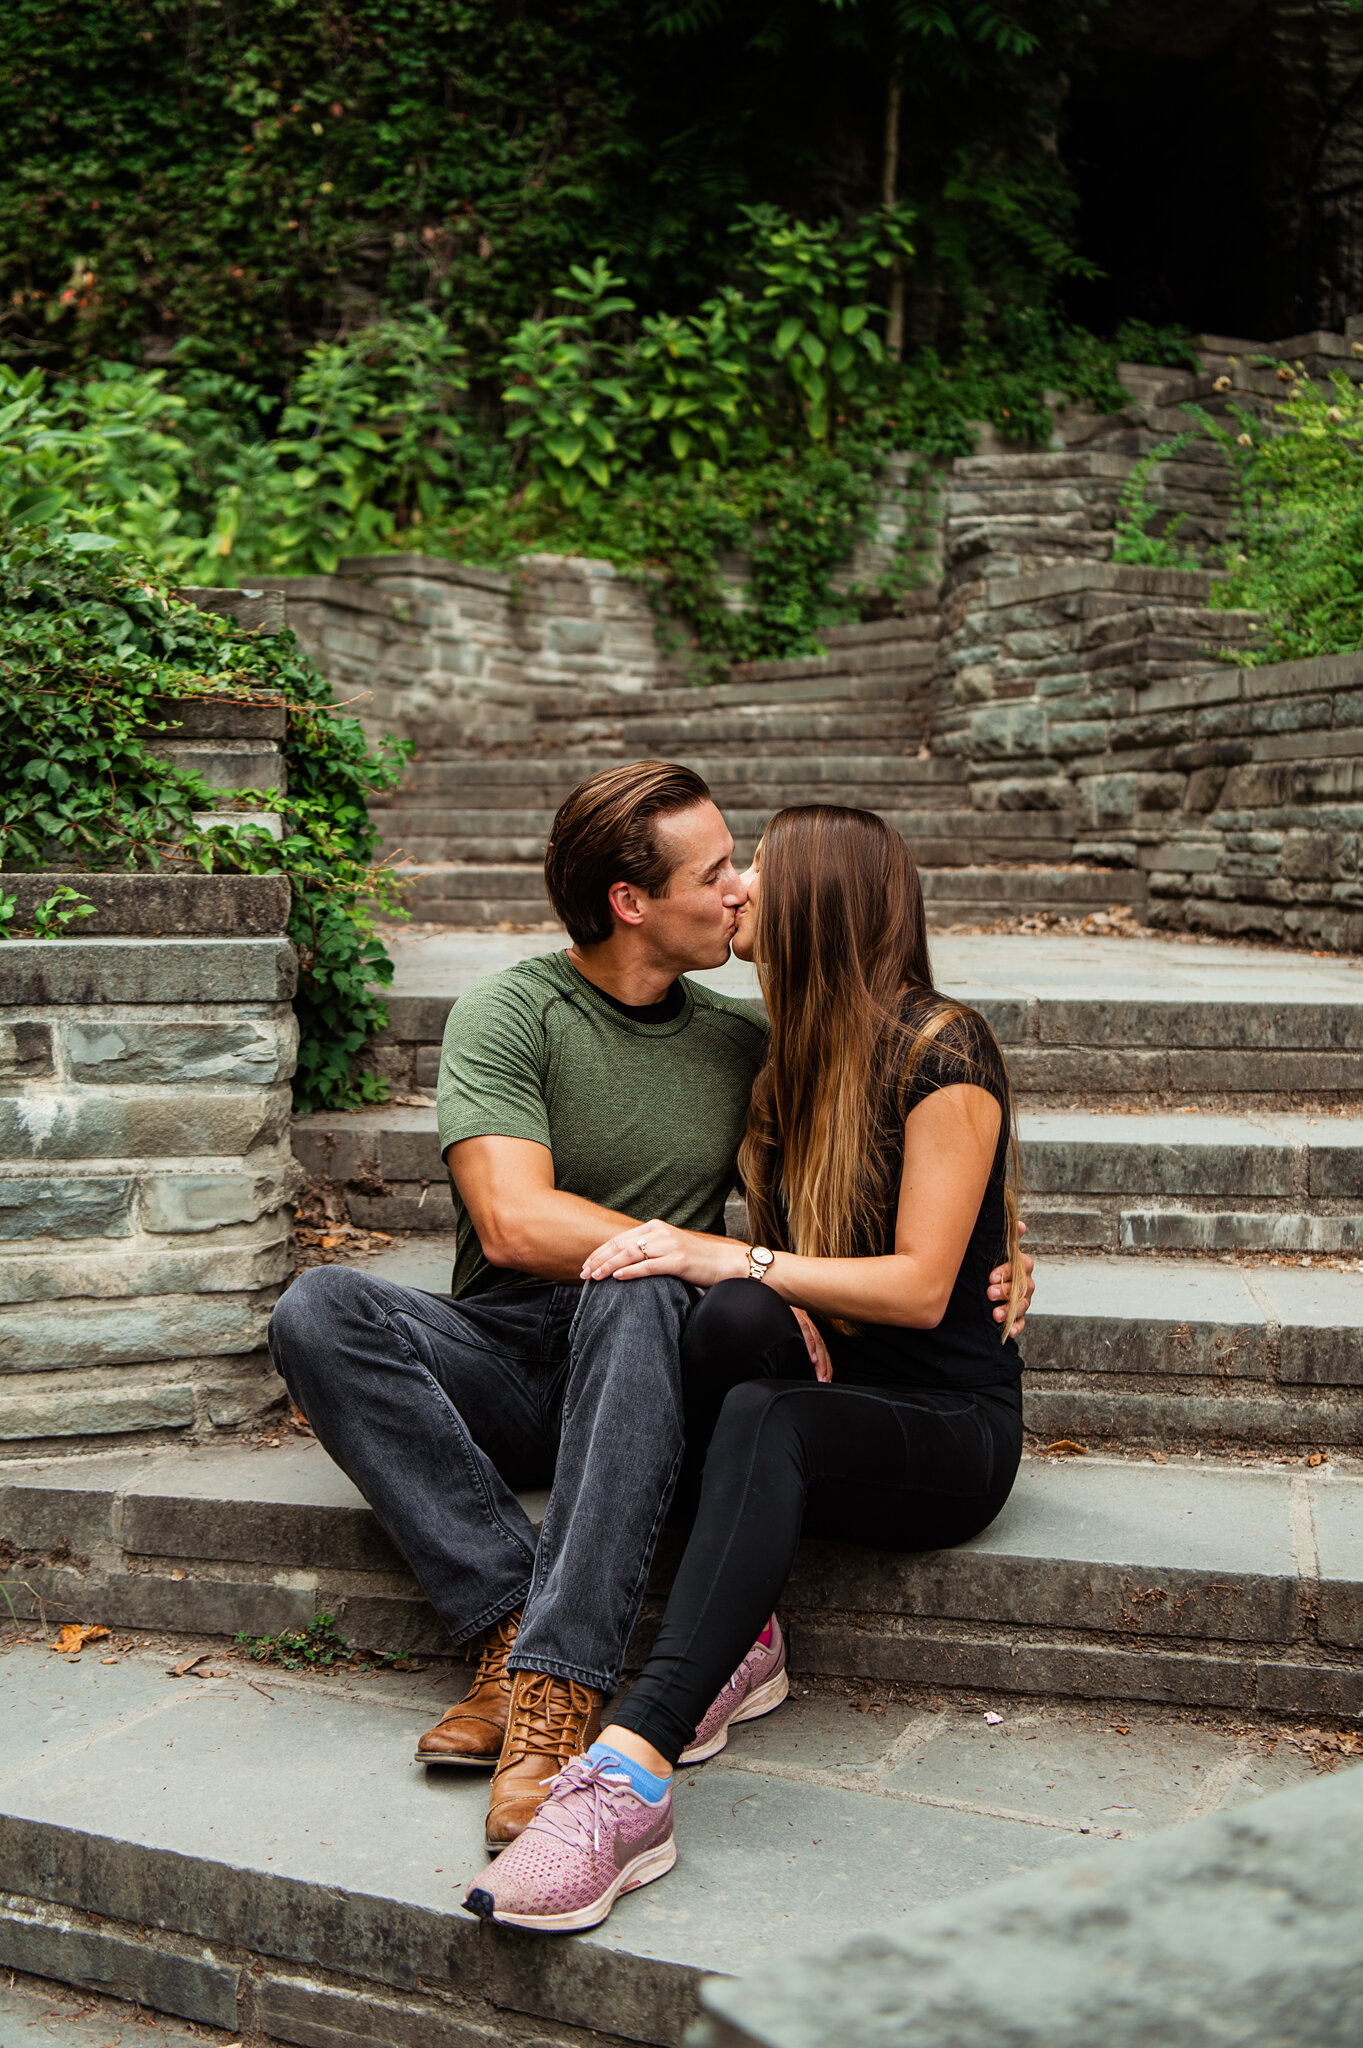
880 1172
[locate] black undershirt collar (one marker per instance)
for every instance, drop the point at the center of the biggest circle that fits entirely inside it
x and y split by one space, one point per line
672 1005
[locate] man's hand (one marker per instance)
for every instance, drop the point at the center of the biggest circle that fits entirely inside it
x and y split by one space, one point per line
1000 1286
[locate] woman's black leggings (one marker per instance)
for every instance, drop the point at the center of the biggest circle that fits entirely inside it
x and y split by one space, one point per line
897 1468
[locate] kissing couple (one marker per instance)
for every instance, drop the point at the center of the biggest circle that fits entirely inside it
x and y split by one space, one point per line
848 1368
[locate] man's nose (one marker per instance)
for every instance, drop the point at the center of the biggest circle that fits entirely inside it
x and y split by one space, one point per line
735 889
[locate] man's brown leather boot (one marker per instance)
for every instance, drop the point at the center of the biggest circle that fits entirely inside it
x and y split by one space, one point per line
473 1731
552 1720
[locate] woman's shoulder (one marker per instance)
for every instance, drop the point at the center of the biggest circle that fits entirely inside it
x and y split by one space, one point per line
949 1044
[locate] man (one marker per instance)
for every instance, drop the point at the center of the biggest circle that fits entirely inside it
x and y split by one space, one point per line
578 1093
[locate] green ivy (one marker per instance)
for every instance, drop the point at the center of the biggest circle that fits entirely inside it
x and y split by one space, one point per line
92 648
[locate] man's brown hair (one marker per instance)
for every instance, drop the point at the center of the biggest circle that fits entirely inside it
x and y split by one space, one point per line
606 832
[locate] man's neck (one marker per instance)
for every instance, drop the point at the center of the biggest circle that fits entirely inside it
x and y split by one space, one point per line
624 976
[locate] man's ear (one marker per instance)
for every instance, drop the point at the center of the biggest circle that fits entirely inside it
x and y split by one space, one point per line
626 902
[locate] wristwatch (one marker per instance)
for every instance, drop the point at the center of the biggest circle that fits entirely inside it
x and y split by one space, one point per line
760 1261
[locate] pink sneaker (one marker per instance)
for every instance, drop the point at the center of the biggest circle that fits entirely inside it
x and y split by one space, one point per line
759 1684
592 1839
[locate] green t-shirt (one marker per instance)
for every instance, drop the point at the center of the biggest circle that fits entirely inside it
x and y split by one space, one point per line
644 1118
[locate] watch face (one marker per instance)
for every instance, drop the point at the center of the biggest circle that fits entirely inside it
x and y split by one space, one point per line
761 1256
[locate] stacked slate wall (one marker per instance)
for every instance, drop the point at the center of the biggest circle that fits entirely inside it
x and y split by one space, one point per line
146 1169
449 655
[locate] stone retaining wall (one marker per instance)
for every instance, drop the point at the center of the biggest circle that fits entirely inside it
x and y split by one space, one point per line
442 653
145 1173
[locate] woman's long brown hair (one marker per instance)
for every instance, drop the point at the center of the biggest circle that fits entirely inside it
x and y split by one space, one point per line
840 935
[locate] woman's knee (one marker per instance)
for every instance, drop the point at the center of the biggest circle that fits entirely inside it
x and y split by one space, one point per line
734 1324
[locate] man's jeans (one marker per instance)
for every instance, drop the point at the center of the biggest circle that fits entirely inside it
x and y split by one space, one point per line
437 1409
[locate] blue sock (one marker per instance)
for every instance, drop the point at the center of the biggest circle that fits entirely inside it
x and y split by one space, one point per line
648 1787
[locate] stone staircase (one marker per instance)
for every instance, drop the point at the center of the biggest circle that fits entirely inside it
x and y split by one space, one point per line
848 726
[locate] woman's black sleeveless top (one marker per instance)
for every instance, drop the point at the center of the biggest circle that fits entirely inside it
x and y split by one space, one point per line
965 1350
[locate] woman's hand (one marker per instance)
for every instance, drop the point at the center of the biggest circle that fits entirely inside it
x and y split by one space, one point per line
1001 1281
814 1345
653 1248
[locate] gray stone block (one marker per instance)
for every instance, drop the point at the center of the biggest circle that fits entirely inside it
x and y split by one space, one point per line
290 1508
174 1202
165 904
97 1207
1241 1927
1243 1230
127 1049
44 1336
321 2016
44 1942
213 718
103 1274
168 1123
255 611
98 971
25 1050
224 764
984 1662
70 1406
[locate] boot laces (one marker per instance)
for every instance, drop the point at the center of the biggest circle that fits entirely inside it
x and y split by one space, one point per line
549 1717
583 1793
494 1646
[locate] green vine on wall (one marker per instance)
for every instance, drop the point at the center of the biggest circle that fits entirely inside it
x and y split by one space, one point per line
92 650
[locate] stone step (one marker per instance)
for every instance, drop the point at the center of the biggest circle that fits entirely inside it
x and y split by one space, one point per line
1204 1584
787 731
433 836
900 655
475 892
1265 1182
162 903
1077 1017
1179 1352
256 1852
1095 1181
537 783
659 700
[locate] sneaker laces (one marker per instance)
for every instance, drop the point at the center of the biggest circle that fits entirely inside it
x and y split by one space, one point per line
579 1795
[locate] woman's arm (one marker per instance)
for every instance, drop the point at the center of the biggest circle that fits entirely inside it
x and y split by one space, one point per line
949 1144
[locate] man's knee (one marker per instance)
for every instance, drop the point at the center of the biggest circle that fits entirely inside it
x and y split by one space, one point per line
313 1312
659 1304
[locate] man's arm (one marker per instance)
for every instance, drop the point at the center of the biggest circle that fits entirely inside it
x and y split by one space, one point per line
524 1223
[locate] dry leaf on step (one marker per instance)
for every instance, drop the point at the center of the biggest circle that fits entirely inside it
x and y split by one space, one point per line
73 1637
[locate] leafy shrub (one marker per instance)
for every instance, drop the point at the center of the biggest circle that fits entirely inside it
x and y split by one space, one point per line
91 648
1297 554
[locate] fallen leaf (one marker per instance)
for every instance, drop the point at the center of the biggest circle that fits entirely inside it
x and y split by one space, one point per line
73 1637
1120 1728
110 1660
179 1572
179 1670
1065 1447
